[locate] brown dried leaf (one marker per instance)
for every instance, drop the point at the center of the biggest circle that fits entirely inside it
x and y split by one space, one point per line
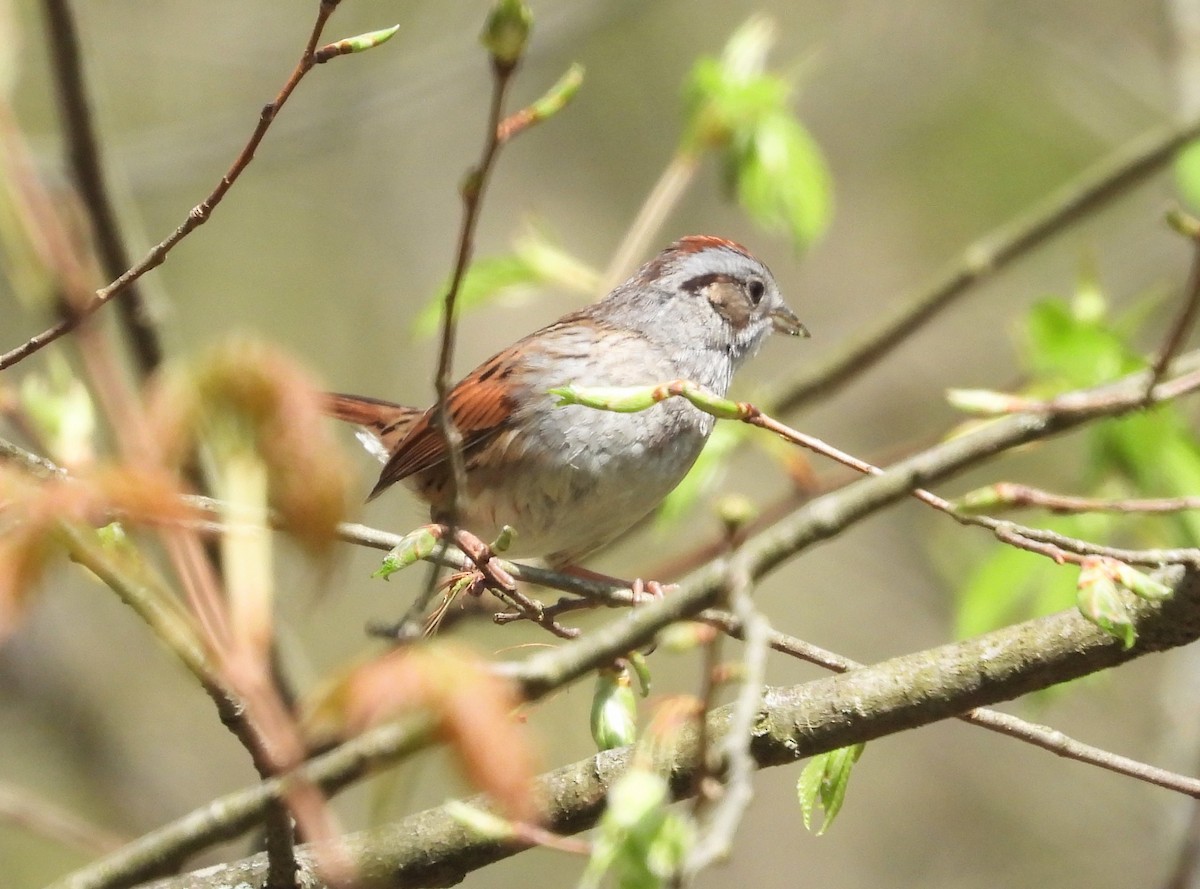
474 708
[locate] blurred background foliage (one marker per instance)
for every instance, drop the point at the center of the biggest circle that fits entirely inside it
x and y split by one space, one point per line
939 121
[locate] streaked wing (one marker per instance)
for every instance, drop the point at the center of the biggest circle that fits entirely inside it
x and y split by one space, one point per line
480 406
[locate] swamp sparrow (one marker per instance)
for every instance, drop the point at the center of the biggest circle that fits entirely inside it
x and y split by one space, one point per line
570 479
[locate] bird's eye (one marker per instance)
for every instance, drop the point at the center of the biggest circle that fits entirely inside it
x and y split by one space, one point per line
756 288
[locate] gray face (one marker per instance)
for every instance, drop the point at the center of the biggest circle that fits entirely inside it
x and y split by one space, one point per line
703 295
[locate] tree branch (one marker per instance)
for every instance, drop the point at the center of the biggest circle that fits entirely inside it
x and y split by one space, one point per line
84 153
987 256
433 849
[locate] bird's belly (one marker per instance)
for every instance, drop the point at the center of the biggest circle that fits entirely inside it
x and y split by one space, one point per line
570 494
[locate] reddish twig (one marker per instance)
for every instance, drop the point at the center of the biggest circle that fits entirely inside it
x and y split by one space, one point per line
1183 323
473 189
1016 496
195 218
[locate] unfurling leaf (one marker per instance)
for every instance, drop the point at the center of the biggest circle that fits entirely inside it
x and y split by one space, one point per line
822 785
1099 600
555 100
413 546
614 709
1140 584
358 43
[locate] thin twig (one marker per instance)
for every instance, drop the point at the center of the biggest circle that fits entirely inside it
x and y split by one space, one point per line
84 153
472 198
1011 495
1183 323
987 256
22 809
195 218
726 813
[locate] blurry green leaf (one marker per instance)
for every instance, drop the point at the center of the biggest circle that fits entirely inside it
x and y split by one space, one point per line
705 473
60 408
1011 584
535 263
1187 175
822 785
484 281
639 840
737 110
1158 453
781 179
1075 352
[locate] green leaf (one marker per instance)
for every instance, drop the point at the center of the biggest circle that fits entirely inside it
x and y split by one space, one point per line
705 473
534 264
822 785
1071 352
485 280
1011 584
781 179
639 840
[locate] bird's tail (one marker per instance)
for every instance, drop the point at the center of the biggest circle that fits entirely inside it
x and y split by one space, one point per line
386 423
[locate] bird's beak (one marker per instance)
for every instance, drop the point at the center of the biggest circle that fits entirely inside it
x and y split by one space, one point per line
785 321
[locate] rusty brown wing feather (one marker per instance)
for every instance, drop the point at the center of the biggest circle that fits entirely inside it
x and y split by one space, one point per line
480 406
